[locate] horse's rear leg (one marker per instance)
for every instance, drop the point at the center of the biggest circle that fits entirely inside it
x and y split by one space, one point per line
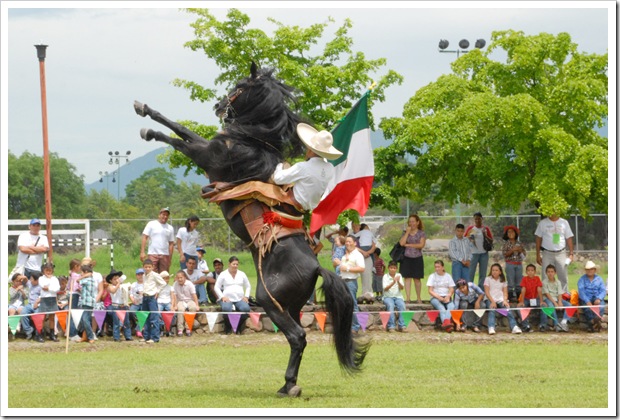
296 337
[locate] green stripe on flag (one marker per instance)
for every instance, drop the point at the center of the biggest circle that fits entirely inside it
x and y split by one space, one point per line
356 120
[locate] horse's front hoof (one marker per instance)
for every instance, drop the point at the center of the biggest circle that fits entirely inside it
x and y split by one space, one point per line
147 134
140 108
294 392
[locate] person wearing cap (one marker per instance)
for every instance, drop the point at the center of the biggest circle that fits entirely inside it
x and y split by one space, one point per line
114 282
187 240
514 254
311 177
218 267
160 236
592 292
553 236
31 246
164 301
480 257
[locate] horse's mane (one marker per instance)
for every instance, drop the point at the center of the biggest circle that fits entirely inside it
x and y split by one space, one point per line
259 130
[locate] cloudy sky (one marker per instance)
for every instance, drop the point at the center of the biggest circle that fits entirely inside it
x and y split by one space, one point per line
101 58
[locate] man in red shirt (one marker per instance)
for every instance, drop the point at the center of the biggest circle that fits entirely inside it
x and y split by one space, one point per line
531 295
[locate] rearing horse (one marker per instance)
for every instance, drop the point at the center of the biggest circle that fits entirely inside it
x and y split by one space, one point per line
259 132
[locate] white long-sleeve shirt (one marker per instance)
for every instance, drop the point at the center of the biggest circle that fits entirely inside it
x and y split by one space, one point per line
234 288
310 178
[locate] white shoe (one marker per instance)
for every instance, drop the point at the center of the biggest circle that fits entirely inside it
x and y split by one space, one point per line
516 330
76 338
564 325
491 331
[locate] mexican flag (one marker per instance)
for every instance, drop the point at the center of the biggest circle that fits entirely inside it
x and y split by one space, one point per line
355 169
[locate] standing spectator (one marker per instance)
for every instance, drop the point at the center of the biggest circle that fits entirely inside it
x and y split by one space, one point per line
496 290
98 278
480 257
153 284
367 246
187 240
339 251
412 266
17 294
349 267
114 280
552 298
459 249
331 237
103 302
197 278
379 270
135 294
164 301
592 293
88 303
161 245
531 296
75 275
184 299
62 297
48 305
469 296
31 246
441 288
514 254
553 235
232 288
392 283
34 293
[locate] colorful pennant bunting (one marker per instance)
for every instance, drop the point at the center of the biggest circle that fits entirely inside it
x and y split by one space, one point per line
320 319
142 317
385 317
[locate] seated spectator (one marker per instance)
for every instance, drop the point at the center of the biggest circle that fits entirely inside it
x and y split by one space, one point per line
135 294
118 303
218 267
17 294
164 300
34 292
469 296
392 283
496 290
592 293
48 305
183 299
196 277
441 288
531 296
552 295
232 288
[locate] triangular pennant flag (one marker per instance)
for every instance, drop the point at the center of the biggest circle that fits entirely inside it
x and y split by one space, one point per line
234 321
119 314
406 316
62 320
502 311
570 310
255 317
549 312
320 319
362 318
525 313
142 317
13 323
456 316
76 316
99 317
432 315
189 320
479 312
596 310
167 317
212 319
38 321
385 317
275 327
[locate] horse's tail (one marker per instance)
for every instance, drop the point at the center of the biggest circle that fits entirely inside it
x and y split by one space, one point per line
339 304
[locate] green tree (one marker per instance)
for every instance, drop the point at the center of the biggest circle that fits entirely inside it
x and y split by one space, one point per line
26 193
505 133
151 191
328 74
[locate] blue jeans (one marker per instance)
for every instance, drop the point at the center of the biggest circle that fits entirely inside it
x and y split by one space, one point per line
132 314
164 307
26 321
240 306
390 303
75 300
116 323
482 260
588 312
87 322
466 319
151 326
443 308
514 274
491 321
352 285
459 271
526 323
544 318
201 293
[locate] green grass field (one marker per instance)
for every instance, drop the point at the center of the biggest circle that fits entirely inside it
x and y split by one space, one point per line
419 370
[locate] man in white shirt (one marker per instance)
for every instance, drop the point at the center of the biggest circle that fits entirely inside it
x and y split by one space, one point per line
311 176
553 236
351 266
160 236
197 278
31 246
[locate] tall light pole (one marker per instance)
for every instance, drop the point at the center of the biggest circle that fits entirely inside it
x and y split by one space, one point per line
115 158
104 174
463 46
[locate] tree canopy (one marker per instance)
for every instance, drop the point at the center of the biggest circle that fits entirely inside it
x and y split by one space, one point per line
504 133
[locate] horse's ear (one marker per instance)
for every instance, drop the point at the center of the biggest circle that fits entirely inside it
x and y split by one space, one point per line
253 70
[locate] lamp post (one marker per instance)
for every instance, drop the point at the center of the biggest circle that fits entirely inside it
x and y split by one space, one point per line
106 175
463 46
115 158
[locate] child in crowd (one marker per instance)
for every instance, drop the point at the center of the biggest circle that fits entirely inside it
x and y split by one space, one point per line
119 303
496 291
89 296
62 297
531 296
459 249
153 285
379 269
441 288
392 283
135 294
17 294
49 288
552 294
164 300
468 296
339 251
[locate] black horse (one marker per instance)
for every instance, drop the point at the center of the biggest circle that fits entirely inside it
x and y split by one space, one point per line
259 132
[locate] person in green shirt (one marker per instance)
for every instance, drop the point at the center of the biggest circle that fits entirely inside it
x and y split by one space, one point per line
552 298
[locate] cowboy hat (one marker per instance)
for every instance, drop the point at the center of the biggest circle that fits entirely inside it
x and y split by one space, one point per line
320 142
590 265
